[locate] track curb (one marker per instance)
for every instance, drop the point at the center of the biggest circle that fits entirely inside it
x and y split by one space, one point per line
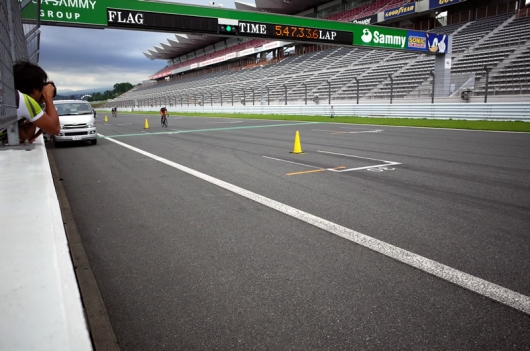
101 332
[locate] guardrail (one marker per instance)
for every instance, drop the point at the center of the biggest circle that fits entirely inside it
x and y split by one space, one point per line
40 302
472 111
12 47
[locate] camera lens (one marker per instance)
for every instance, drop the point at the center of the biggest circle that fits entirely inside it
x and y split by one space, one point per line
54 88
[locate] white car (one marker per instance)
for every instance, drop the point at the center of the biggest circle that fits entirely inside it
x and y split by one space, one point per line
78 121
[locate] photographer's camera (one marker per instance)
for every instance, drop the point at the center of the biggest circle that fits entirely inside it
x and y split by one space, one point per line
54 88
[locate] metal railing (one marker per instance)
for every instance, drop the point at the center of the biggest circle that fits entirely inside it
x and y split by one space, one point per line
14 41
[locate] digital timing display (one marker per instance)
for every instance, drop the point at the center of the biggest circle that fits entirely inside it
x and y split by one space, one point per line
172 22
299 33
160 21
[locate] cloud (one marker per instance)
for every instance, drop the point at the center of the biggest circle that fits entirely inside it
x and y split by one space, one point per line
80 59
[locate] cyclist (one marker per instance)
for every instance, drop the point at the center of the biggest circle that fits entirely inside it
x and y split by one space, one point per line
115 111
163 116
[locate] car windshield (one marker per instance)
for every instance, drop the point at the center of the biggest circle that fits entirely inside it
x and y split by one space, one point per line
73 108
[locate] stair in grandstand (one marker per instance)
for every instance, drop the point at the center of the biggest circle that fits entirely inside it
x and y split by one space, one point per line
500 42
513 77
405 79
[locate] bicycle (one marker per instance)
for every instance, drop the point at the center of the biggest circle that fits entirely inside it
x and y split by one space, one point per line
163 120
114 113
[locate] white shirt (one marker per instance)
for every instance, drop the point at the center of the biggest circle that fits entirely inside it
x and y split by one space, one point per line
28 108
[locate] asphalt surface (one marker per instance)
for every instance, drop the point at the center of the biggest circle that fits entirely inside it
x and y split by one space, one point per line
185 264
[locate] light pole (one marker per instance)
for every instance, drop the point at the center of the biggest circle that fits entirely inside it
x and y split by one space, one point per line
305 88
433 85
261 85
391 87
357 81
285 88
329 92
487 83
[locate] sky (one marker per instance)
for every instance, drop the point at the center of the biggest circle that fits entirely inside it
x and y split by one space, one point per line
84 59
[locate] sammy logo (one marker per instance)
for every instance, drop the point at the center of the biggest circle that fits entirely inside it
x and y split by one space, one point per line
387 40
367 35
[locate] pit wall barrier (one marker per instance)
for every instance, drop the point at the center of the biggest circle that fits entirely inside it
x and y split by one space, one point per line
40 303
469 111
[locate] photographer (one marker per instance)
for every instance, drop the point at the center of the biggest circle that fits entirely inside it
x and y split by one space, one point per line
33 89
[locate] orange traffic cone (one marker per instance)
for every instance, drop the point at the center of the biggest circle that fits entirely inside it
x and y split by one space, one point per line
297 145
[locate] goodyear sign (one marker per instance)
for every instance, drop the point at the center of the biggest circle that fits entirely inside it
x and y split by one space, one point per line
427 42
366 20
441 3
400 11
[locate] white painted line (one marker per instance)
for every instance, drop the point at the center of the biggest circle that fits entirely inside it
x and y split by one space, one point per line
365 167
386 163
324 130
435 128
371 130
231 122
480 286
295 163
352 131
365 158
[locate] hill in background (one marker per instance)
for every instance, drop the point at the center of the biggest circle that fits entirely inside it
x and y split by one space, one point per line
77 94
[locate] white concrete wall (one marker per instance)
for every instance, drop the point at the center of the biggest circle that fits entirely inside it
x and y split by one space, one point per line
507 111
40 303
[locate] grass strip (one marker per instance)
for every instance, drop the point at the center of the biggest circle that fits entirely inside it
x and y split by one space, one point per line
509 126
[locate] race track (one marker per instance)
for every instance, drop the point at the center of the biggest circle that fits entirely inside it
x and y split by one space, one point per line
212 235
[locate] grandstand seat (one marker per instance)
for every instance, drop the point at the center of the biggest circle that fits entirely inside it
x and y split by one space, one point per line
371 67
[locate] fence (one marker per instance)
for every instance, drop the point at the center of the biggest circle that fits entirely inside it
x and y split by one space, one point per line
469 91
362 85
503 111
13 47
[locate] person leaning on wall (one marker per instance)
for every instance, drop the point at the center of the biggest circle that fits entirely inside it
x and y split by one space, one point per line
33 90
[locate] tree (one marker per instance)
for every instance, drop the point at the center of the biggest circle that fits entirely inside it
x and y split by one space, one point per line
120 88
108 94
96 97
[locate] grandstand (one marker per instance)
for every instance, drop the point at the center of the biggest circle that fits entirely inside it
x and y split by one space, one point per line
490 41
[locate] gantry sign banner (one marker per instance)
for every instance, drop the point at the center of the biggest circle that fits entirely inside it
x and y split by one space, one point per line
164 16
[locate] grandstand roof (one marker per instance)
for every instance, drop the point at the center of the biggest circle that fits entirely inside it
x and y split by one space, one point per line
182 44
179 44
287 7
